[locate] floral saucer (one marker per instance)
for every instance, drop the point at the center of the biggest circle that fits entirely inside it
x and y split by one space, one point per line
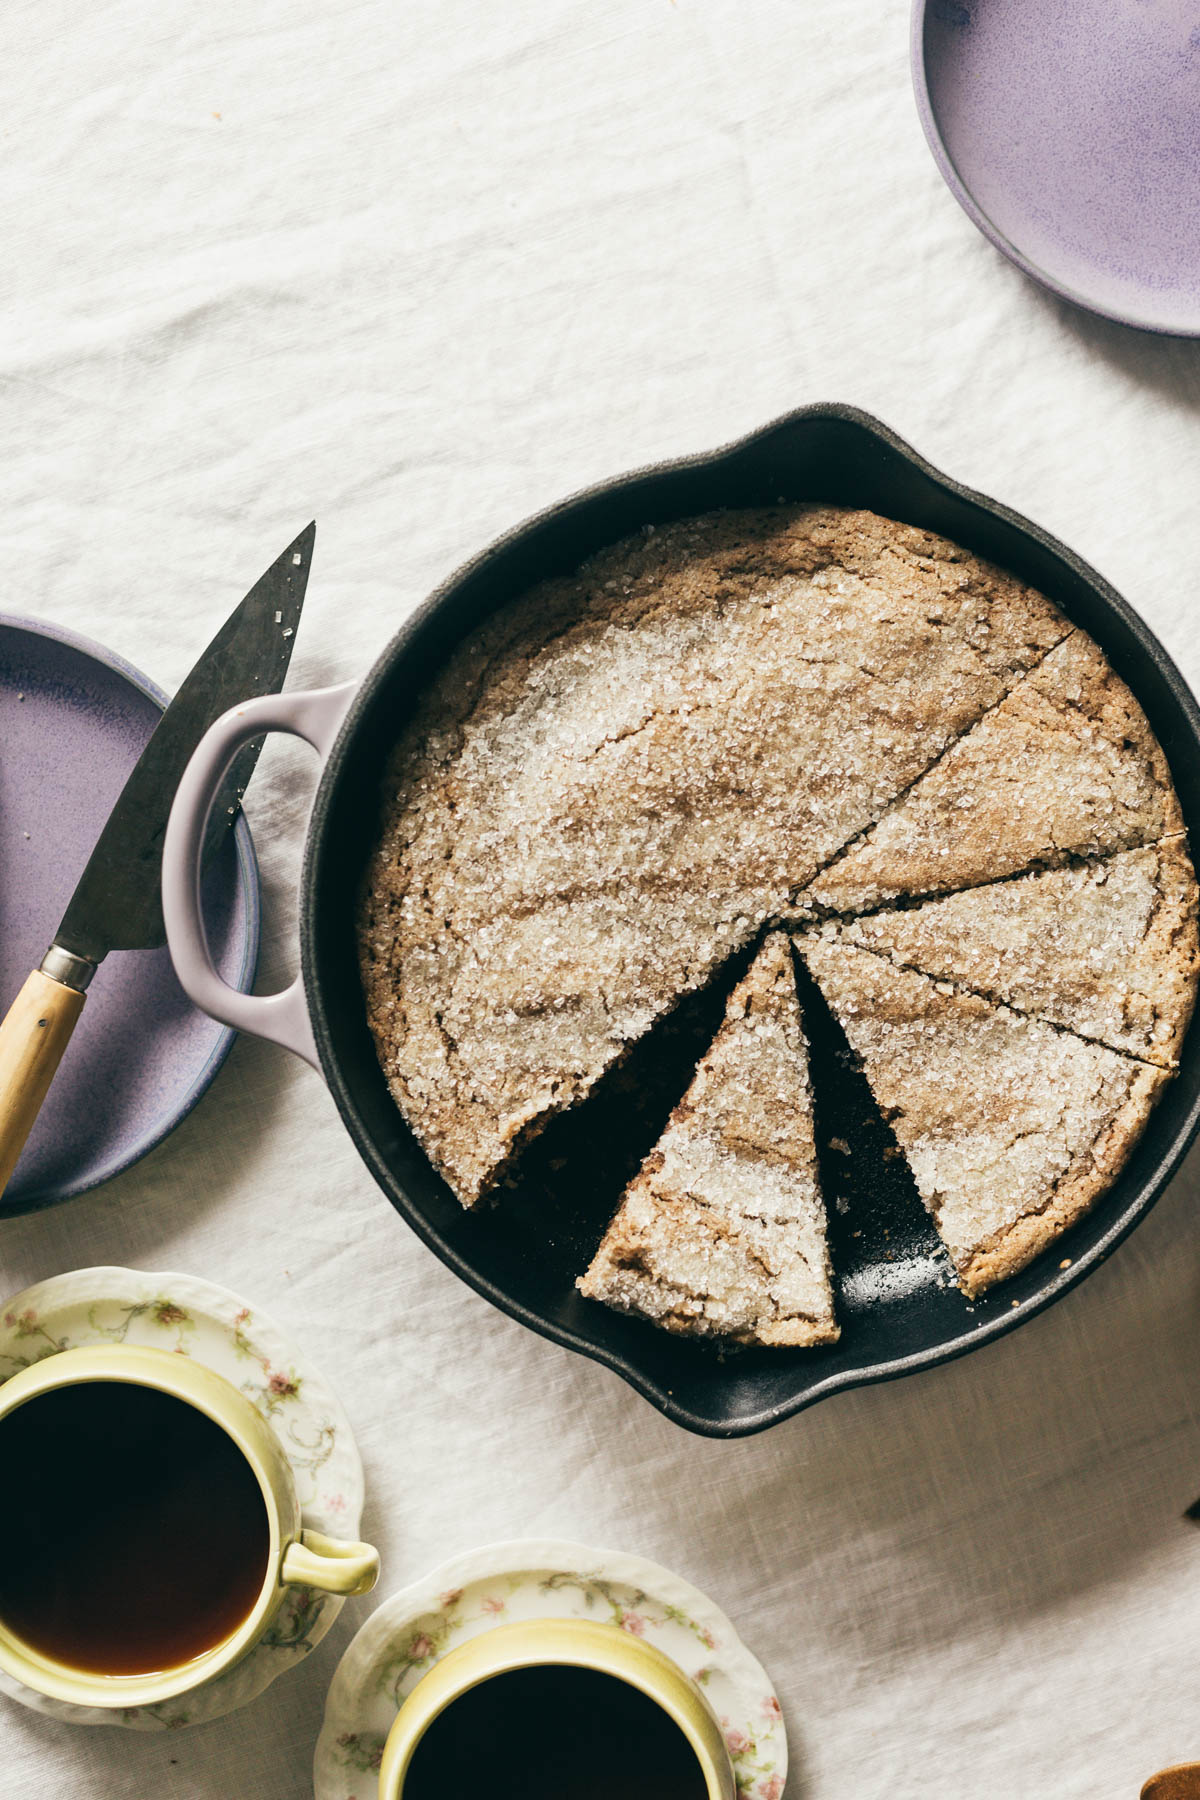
197 1318
531 1579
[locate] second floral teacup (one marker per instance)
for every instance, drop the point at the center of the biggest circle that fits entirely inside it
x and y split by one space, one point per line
556 1709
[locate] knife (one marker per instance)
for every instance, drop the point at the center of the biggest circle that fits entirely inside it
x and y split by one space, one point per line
118 902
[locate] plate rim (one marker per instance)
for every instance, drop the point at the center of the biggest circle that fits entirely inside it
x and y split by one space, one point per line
248 882
948 170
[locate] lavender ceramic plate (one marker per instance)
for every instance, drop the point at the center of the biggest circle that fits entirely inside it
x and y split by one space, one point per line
1069 130
73 721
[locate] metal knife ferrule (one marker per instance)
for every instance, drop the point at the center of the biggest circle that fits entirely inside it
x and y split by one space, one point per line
68 969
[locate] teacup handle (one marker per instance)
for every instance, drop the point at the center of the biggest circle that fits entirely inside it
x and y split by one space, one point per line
334 1565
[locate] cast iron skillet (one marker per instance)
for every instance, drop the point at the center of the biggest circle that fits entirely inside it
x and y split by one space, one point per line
898 1308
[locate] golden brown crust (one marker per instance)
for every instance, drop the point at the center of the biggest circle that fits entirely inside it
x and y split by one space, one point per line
626 772
1108 949
1012 1249
1011 1127
1065 766
620 1278
722 1231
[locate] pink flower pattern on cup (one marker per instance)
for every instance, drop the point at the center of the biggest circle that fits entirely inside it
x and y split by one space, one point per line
197 1323
460 1613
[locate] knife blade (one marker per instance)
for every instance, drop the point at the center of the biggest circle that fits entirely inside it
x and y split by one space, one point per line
117 903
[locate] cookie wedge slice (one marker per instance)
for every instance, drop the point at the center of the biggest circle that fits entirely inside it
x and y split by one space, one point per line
1066 765
722 1231
1012 1128
1108 949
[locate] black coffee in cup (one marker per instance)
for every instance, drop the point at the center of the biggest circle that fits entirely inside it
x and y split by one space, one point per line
137 1535
554 1732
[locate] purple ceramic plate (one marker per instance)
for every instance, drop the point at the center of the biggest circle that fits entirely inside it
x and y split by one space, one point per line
73 721
1069 130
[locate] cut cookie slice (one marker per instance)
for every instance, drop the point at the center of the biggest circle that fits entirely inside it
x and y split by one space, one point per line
624 773
1065 765
1011 1128
1108 949
722 1232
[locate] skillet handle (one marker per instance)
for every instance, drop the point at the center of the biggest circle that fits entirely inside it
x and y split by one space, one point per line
283 1018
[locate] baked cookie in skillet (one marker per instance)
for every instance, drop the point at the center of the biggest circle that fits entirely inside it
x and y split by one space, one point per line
1011 1127
618 779
1066 765
722 1231
1106 948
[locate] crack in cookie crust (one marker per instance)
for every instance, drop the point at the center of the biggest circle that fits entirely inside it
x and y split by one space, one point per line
1011 1127
1106 948
614 784
1066 766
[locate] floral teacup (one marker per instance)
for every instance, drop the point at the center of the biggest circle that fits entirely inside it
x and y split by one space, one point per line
578 1643
294 1555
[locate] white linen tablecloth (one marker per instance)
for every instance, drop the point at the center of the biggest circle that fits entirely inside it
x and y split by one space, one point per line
419 267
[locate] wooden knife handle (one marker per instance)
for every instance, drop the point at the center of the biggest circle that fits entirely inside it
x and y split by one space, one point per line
1179 1783
32 1039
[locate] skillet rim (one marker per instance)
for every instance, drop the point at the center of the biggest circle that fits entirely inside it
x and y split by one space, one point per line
1111 606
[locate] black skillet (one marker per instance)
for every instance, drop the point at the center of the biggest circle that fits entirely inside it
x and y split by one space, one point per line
898 1307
